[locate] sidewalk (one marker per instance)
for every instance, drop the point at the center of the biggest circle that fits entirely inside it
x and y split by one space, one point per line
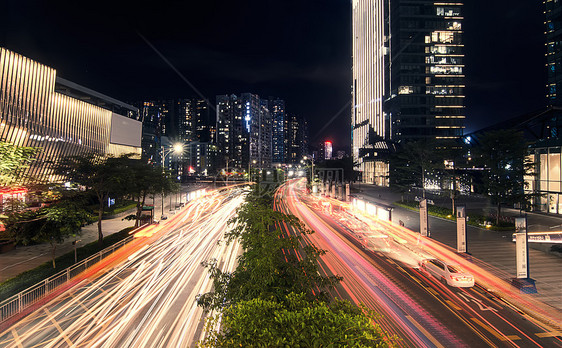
24 258
492 247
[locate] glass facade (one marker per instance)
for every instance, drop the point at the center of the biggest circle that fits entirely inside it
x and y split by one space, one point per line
32 113
548 181
553 26
370 50
408 74
426 99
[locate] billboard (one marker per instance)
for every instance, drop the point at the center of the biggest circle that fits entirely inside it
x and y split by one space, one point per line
125 131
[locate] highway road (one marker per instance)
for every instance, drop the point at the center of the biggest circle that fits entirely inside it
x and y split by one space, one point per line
144 294
379 264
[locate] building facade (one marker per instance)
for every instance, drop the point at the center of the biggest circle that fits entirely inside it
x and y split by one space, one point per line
244 131
553 32
296 139
40 109
233 137
277 110
408 76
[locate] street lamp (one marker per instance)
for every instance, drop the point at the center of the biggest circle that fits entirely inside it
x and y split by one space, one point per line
312 169
250 170
177 148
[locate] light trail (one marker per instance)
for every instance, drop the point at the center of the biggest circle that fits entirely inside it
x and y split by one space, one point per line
365 284
485 319
144 296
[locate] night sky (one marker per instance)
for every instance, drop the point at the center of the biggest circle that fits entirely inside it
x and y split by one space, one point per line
298 50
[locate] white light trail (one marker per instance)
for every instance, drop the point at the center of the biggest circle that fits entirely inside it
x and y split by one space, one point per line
148 300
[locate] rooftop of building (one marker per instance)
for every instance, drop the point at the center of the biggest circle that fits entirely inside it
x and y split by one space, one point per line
90 96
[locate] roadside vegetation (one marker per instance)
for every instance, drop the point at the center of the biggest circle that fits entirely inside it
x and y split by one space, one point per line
277 297
500 156
57 212
487 222
29 278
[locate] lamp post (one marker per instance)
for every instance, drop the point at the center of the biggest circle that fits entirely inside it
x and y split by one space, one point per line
227 162
312 169
177 149
250 170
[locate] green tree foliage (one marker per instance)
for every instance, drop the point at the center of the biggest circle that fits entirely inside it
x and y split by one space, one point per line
13 159
62 220
51 224
503 153
413 163
269 267
104 176
145 180
295 322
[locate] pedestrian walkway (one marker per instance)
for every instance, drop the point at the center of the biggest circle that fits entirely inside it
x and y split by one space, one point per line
25 258
495 249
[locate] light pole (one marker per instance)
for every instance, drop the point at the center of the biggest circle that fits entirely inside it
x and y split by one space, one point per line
250 170
177 149
311 170
227 161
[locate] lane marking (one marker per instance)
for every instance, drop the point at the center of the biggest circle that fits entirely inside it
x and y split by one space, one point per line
549 334
424 332
53 320
478 302
495 333
433 291
453 305
16 338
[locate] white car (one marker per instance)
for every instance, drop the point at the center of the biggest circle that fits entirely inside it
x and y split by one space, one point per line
452 274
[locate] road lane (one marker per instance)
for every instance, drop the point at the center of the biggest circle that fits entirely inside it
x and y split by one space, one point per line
146 296
476 315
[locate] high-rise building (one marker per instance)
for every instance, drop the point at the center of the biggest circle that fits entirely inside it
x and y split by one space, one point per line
40 109
243 131
408 76
277 110
553 23
192 117
296 139
232 132
328 150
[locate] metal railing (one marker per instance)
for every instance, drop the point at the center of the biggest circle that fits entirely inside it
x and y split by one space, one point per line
33 294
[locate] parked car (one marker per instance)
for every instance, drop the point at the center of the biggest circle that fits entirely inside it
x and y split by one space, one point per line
450 273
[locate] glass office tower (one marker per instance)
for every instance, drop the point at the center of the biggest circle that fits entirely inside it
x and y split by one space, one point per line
408 76
39 109
553 31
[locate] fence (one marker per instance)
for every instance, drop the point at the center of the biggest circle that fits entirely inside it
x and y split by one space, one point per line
31 295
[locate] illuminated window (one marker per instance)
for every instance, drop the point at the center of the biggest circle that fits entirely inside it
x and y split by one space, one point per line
448 11
446 70
405 90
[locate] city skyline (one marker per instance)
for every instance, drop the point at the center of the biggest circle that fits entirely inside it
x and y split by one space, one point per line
313 73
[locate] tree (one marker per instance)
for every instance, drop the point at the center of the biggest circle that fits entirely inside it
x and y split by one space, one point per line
62 220
146 180
269 267
503 155
51 224
295 322
102 175
13 159
413 163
